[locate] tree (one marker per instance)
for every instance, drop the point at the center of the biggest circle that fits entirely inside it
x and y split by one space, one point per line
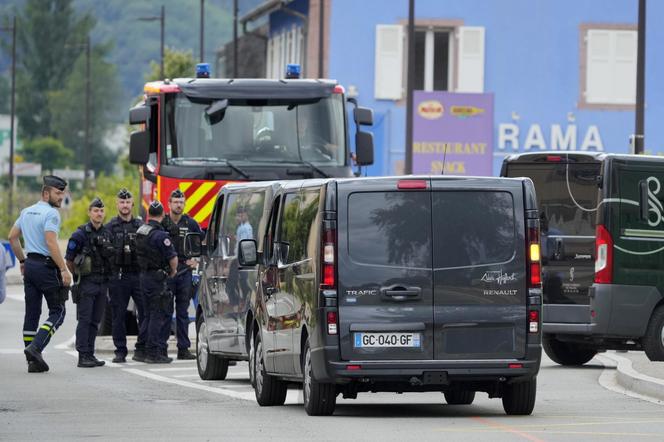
49 37
48 152
177 64
67 107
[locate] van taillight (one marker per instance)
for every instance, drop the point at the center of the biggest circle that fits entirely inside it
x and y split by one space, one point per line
604 260
533 321
411 184
533 251
331 323
328 252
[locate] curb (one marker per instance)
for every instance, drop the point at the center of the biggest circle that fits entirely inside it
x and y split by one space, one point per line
634 381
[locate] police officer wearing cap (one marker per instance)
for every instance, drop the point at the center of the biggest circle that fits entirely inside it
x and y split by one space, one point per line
45 274
89 253
158 260
124 283
178 224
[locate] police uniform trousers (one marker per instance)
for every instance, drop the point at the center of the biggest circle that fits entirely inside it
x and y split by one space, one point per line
41 279
157 300
121 288
181 287
89 311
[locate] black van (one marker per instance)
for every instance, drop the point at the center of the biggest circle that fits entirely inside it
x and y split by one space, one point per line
400 284
602 251
567 189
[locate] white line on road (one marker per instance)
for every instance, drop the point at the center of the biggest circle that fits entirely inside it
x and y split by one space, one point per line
16 297
173 369
11 351
186 375
69 343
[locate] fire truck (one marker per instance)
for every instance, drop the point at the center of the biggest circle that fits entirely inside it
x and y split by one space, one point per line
198 134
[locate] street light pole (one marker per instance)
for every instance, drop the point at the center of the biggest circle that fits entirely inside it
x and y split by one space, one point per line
86 153
202 29
410 85
12 134
639 129
162 20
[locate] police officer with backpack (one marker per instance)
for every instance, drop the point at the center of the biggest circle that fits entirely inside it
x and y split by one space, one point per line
125 283
158 261
88 256
178 224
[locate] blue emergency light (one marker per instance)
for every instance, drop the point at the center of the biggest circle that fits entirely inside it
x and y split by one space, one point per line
203 70
293 70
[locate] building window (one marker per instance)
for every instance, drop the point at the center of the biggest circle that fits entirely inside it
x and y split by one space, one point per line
448 57
284 48
608 67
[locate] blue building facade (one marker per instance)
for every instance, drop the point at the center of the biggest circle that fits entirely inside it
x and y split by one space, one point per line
562 72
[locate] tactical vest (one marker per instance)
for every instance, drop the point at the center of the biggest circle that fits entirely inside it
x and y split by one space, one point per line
94 258
149 257
124 242
177 232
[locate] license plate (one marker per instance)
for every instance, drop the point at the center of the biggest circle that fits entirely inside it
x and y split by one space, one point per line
387 340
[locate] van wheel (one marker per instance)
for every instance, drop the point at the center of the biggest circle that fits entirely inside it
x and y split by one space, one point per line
653 341
269 390
210 367
252 360
319 398
519 398
459 397
566 353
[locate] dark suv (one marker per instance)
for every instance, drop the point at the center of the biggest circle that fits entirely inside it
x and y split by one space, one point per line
400 284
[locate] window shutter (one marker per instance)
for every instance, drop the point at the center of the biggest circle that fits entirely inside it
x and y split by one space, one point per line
624 71
611 66
471 59
598 67
388 74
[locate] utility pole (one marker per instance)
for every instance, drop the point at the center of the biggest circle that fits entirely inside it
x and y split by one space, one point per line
202 31
410 84
86 153
12 134
639 130
235 64
162 19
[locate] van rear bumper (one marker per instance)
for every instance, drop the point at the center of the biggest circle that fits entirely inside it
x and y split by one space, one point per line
328 368
615 310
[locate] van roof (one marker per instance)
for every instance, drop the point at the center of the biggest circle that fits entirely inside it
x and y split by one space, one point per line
545 156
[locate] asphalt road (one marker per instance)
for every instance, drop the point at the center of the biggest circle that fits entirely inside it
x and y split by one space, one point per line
169 402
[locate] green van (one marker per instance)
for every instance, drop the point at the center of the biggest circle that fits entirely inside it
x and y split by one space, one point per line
602 220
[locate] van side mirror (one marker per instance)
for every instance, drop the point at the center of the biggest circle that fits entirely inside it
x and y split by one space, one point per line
363 115
247 253
364 148
139 114
643 200
139 147
192 245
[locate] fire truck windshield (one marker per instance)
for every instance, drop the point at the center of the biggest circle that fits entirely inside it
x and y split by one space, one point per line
256 131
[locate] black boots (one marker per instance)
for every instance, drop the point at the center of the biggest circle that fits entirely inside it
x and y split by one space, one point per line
158 359
89 361
119 359
185 354
34 356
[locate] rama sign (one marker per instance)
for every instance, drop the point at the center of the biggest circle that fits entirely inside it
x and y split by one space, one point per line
452 133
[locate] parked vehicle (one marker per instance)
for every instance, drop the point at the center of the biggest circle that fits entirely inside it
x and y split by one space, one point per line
602 251
397 284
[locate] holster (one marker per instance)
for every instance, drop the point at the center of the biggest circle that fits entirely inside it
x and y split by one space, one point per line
64 294
75 293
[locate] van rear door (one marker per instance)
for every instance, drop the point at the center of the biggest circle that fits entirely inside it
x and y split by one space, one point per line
384 270
479 269
567 197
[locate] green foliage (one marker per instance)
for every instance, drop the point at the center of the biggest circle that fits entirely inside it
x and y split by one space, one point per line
47 151
49 37
106 188
177 64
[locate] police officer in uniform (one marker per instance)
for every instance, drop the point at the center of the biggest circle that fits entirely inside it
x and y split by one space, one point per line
178 224
124 283
158 261
89 254
45 273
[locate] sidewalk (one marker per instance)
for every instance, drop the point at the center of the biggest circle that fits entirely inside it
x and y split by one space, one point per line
636 373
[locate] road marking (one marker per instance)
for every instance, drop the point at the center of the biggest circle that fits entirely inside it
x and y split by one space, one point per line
608 380
11 351
69 343
505 428
173 369
186 375
16 297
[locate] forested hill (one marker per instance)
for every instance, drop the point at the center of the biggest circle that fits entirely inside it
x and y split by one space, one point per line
136 43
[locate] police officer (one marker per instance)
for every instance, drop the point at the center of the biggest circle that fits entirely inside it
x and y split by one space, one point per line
88 256
178 224
158 260
124 283
44 272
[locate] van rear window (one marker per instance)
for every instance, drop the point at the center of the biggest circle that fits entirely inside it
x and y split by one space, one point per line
390 228
560 215
472 228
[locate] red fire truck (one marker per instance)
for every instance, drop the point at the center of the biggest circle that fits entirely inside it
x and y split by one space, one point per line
201 133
